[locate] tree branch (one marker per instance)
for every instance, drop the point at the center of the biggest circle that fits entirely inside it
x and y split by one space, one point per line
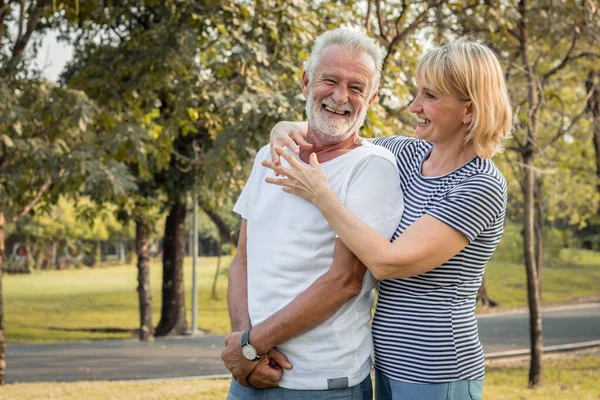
43 189
22 40
381 21
566 59
402 35
562 131
368 16
225 230
514 169
4 10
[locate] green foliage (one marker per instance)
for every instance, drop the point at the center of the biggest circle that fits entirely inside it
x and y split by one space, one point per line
510 248
64 221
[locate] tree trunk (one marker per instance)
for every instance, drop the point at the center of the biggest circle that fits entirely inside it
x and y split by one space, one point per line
213 292
103 250
173 318
533 297
593 106
53 262
539 233
39 257
2 346
483 297
224 230
142 247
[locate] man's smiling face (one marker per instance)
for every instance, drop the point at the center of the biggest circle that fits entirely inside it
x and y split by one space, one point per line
339 94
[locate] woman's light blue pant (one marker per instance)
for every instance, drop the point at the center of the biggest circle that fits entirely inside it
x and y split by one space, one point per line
390 389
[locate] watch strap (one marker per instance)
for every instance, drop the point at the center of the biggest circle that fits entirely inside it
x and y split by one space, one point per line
244 342
245 337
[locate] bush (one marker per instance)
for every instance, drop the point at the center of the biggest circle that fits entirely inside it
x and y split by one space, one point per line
510 248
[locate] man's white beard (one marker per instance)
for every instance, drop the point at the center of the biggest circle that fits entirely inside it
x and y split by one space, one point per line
331 129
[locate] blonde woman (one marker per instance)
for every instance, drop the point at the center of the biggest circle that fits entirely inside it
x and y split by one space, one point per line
424 328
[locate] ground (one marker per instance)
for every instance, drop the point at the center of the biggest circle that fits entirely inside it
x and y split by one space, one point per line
565 376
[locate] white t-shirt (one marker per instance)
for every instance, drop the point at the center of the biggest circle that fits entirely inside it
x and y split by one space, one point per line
290 244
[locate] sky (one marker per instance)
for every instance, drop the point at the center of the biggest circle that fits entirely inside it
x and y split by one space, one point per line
52 56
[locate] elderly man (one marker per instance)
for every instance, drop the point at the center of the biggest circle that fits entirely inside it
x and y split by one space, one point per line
295 291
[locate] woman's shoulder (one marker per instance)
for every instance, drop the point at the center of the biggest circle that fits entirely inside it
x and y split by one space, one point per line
483 174
399 144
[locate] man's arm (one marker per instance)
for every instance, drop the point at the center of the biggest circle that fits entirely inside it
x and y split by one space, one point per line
237 291
259 374
316 304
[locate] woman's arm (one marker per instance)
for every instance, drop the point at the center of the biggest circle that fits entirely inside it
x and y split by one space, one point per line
288 134
425 245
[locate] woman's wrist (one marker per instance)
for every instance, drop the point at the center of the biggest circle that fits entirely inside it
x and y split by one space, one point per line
324 198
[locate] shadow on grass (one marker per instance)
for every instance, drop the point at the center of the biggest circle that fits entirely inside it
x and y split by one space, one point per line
92 330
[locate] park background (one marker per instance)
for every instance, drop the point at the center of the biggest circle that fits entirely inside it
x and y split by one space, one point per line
164 102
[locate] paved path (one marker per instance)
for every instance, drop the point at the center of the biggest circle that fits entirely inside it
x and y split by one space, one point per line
200 356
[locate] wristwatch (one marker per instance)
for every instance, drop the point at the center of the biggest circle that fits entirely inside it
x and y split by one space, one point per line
248 350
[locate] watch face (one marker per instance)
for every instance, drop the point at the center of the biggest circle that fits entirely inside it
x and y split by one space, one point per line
249 352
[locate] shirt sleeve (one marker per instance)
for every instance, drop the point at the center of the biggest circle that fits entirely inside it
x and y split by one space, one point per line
242 204
395 144
472 206
374 194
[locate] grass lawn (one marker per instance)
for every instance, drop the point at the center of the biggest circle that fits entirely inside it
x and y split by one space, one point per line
569 377
72 304
577 277
101 303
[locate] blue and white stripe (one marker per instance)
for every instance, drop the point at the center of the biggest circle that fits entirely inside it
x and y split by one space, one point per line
424 328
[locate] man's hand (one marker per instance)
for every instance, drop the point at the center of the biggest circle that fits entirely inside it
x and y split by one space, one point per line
235 361
266 374
263 373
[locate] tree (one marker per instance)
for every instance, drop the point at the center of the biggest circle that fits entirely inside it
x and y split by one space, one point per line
541 52
48 139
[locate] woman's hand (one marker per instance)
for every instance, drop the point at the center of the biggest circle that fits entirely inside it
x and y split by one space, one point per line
288 134
307 182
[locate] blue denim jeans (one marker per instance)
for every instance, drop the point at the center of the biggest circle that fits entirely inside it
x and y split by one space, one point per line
390 389
362 391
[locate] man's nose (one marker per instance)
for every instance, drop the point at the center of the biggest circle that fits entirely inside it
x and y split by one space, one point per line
340 94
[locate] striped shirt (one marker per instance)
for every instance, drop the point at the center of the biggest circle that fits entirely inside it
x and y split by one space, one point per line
424 328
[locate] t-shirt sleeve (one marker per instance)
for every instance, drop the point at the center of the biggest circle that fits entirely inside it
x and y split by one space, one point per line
242 204
395 144
374 194
472 206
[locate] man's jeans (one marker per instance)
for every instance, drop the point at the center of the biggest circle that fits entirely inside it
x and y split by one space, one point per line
390 389
362 391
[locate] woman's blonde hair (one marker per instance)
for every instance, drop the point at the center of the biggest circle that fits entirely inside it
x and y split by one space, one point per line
471 71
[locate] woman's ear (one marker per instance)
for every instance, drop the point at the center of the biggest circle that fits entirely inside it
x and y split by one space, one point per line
468 113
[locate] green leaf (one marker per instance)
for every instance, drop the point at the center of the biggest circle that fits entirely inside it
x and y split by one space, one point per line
18 128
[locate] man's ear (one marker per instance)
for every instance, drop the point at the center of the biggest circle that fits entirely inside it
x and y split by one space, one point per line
305 84
373 97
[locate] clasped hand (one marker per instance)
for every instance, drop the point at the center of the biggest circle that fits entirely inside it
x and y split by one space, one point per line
262 374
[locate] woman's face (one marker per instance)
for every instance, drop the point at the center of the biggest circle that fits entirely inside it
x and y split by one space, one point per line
441 118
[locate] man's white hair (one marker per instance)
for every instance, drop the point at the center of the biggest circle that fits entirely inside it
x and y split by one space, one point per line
347 39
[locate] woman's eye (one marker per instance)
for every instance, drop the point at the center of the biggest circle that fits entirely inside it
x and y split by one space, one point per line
429 96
